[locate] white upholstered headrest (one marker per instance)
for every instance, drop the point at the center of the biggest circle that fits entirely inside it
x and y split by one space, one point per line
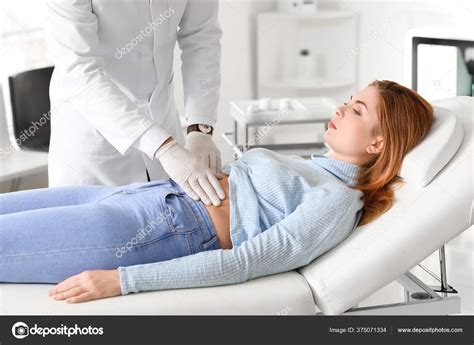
426 159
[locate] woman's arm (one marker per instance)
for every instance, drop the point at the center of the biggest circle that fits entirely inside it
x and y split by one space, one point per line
325 218
88 285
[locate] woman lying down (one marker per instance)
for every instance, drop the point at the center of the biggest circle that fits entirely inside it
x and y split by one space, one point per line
279 213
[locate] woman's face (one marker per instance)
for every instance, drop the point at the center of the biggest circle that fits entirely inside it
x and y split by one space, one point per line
354 140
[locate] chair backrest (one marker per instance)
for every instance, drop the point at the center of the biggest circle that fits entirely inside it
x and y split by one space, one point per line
30 107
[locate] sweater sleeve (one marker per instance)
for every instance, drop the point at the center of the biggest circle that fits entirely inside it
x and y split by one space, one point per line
314 227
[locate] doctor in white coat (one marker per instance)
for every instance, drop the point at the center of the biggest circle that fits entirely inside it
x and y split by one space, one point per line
113 115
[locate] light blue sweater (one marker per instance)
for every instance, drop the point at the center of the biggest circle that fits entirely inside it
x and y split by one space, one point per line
284 213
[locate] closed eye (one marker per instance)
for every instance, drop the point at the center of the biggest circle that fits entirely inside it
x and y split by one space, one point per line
355 111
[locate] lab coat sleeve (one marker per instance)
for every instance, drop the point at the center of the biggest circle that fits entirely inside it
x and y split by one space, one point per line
199 39
310 230
71 32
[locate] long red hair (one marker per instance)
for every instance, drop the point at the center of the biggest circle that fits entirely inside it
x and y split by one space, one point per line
405 118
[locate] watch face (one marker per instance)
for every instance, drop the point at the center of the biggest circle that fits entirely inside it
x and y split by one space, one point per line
204 128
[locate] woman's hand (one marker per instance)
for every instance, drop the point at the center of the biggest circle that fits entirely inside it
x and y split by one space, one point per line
88 285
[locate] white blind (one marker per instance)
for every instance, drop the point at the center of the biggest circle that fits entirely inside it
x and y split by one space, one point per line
22 44
20 16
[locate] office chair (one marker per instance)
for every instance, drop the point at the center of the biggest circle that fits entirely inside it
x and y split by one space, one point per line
30 108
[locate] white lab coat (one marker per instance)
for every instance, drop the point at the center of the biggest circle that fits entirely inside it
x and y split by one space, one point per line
111 92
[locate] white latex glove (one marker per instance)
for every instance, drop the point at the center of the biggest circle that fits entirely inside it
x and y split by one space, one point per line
202 145
187 170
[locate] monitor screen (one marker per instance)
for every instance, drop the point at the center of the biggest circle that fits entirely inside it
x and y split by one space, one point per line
442 68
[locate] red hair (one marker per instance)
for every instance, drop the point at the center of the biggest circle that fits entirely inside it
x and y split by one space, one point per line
404 120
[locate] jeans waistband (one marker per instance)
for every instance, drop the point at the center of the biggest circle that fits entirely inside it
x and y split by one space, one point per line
203 217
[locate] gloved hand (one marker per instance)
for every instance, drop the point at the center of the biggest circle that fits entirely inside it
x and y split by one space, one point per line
187 170
202 145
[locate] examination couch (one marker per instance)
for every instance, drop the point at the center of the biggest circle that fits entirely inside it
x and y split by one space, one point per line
433 207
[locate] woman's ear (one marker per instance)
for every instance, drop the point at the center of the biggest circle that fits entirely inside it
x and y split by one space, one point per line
377 146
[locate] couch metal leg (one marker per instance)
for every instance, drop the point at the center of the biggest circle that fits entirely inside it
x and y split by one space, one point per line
444 287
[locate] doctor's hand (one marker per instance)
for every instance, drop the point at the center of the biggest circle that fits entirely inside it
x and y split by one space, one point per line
202 145
190 173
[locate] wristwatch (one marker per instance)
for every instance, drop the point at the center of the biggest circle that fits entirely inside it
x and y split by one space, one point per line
200 128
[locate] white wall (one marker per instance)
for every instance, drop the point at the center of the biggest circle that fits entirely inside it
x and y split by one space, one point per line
237 19
383 25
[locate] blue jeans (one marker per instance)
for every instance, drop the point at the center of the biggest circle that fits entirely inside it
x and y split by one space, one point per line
47 235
